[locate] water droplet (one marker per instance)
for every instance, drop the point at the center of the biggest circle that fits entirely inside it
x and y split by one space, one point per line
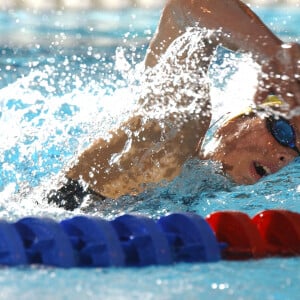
286 46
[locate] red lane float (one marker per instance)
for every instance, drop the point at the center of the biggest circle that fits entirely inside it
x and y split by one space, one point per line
280 229
269 233
241 235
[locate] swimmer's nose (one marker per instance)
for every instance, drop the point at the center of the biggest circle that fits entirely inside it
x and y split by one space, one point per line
284 157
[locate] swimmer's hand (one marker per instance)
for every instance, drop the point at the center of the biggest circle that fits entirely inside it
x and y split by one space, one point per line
281 75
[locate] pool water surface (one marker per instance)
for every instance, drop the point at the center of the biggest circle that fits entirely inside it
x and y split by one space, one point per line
68 77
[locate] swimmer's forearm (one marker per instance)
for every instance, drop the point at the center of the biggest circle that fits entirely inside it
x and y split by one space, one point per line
241 28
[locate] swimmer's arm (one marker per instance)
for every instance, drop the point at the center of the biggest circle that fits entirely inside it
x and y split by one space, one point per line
241 30
138 153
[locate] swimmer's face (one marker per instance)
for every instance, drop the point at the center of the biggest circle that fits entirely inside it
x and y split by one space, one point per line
248 151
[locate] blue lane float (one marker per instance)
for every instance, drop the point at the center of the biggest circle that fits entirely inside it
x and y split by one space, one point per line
45 242
12 251
135 241
190 237
94 241
143 242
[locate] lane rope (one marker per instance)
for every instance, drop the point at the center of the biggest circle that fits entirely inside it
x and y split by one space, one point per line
135 240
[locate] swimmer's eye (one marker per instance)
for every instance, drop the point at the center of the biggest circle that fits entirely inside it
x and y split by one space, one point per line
283 132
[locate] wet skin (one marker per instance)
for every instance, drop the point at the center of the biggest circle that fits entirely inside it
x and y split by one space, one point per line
248 151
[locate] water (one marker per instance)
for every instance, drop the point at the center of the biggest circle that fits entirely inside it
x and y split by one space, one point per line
51 66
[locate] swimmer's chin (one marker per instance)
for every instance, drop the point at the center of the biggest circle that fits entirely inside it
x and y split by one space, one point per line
224 169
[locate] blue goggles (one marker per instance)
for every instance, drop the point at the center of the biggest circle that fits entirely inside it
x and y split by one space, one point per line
283 132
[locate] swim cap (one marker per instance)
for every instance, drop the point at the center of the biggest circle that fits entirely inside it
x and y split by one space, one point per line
270 102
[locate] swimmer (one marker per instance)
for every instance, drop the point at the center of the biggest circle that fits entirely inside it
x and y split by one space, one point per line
151 150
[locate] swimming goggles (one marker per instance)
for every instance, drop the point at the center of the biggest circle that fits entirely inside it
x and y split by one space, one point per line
279 127
282 131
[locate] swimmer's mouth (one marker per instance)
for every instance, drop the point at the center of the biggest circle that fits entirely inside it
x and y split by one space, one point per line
261 170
